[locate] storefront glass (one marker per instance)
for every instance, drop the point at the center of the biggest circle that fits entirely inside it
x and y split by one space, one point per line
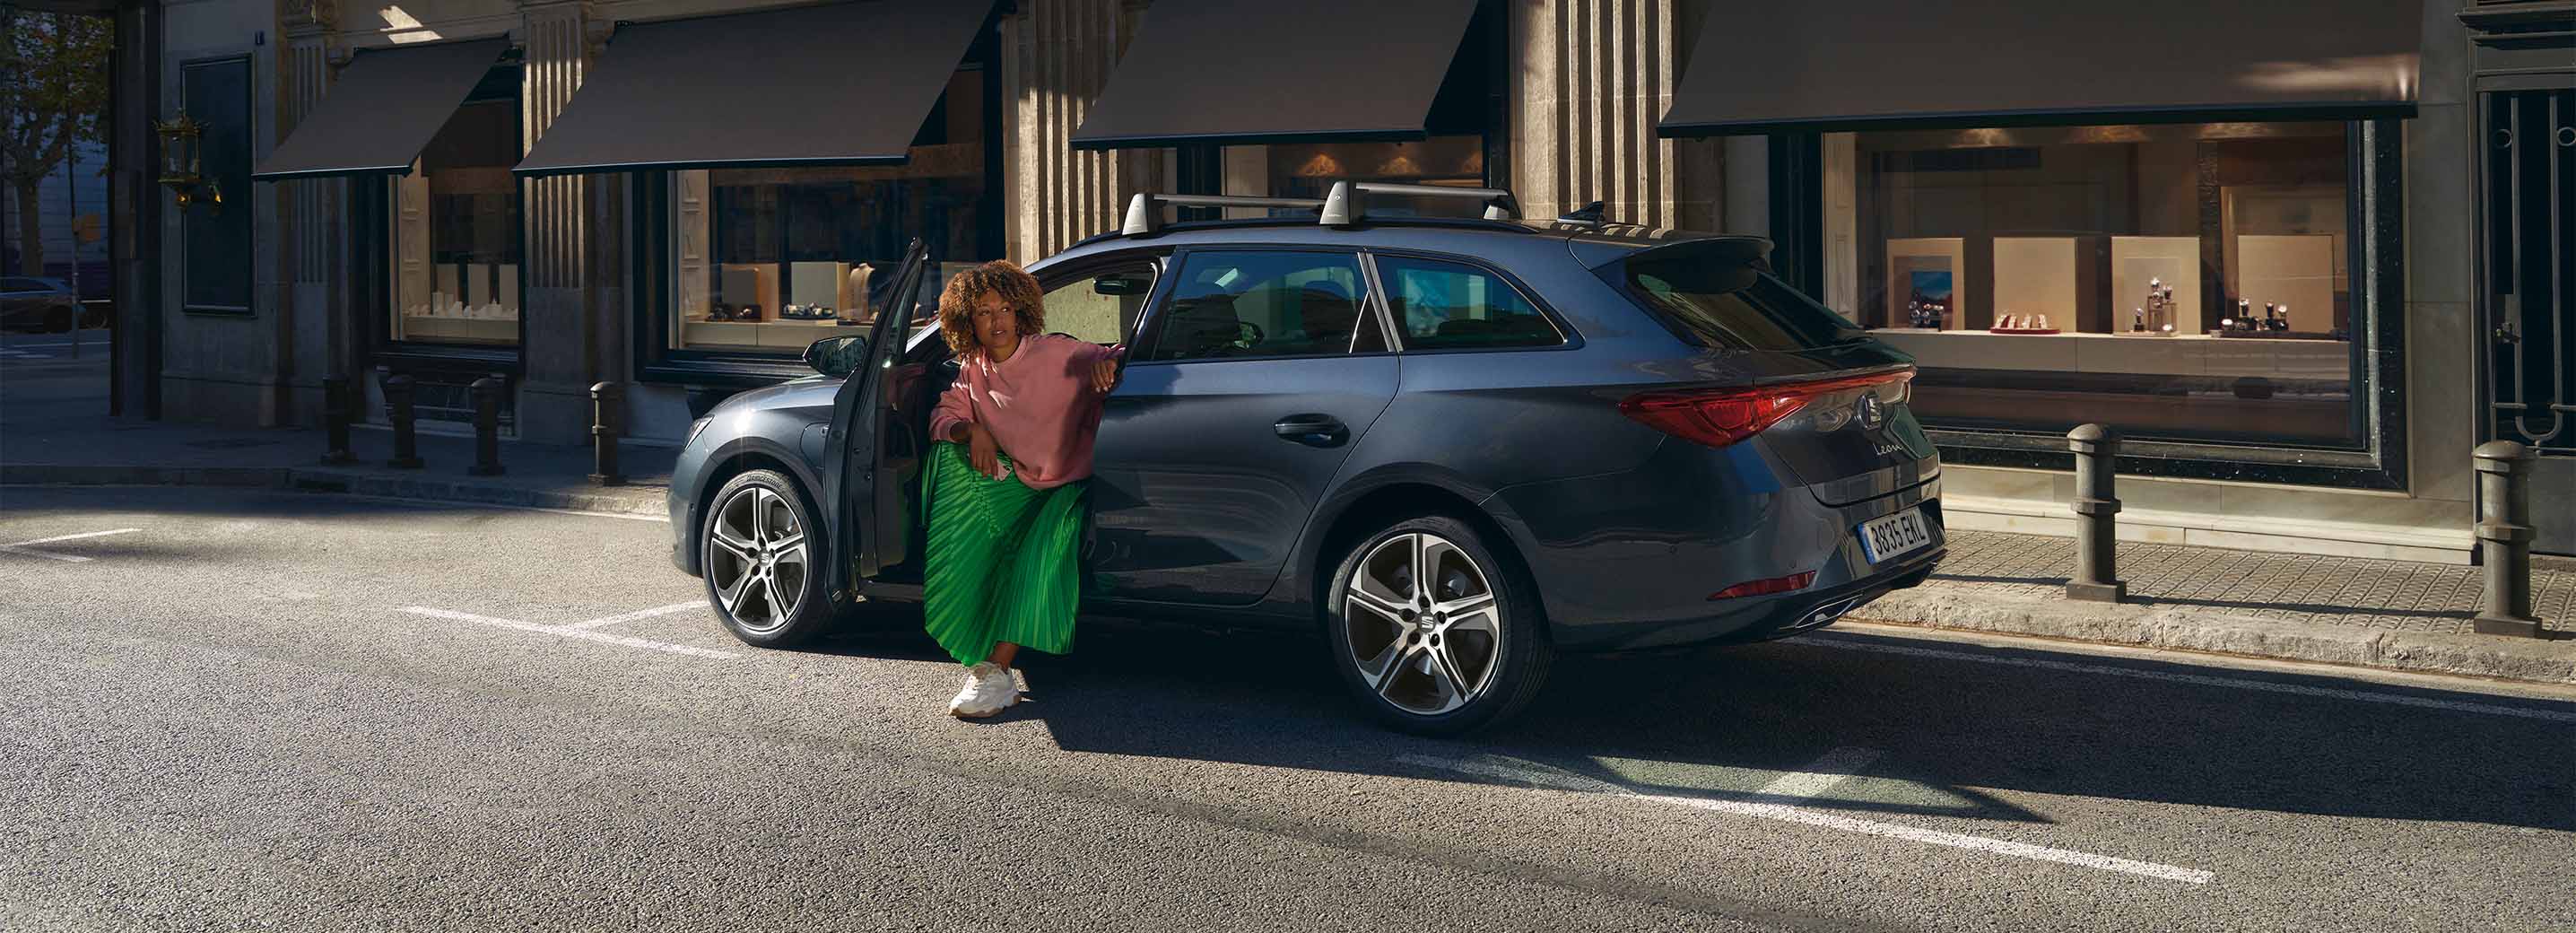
456 233
2183 282
1309 170
768 260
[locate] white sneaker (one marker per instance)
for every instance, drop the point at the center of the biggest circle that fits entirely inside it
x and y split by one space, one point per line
989 689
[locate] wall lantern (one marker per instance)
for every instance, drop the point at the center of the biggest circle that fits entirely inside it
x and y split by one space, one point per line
179 163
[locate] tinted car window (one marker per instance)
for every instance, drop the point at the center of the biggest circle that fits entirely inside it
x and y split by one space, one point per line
1254 304
1102 306
1448 305
1729 304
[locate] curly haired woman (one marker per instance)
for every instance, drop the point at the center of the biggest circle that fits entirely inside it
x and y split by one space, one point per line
1004 486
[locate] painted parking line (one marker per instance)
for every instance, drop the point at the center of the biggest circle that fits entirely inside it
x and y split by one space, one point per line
26 549
568 631
2204 680
640 614
1825 773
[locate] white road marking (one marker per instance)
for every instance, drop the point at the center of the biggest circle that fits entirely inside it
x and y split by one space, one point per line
570 632
21 548
1837 766
1513 769
640 614
2205 680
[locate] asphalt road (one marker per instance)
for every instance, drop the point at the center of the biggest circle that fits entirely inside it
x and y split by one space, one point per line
281 711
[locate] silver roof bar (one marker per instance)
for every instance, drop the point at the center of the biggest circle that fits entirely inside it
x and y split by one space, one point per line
1145 214
1344 206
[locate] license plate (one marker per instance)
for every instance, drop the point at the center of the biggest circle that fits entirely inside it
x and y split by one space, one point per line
1892 535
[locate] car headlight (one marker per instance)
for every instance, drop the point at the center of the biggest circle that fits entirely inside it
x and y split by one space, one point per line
696 428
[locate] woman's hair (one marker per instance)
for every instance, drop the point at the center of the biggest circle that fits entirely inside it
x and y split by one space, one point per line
1001 277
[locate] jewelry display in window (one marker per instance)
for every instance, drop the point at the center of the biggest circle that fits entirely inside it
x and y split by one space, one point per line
1928 308
2156 317
805 313
2022 324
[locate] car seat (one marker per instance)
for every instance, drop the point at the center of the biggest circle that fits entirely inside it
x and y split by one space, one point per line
1201 327
1328 314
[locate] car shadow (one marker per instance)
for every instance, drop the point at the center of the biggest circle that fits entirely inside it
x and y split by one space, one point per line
1955 723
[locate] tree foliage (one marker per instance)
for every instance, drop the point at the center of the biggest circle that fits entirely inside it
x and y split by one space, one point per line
53 96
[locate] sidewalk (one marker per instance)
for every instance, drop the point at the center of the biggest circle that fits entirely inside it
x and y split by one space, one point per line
2397 615
54 430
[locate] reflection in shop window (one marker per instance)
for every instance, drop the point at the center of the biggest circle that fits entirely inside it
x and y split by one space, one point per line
2182 281
769 260
1309 170
456 232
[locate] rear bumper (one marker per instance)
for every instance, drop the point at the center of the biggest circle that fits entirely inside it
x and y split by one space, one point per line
1631 560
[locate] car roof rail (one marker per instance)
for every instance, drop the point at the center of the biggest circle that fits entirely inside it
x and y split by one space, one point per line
1145 210
1347 204
1344 206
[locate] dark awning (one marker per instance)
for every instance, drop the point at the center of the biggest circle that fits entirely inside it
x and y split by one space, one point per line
1210 72
839 84
1866 64
382 111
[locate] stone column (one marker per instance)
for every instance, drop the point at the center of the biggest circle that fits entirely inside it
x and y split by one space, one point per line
1056 56
1593 77
315 327
564 306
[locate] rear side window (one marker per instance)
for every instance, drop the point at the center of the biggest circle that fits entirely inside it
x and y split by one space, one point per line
1448 305
1725 303
1230 304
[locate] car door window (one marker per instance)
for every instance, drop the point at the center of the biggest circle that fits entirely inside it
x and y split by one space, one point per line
1102 306
1246 304
1449 305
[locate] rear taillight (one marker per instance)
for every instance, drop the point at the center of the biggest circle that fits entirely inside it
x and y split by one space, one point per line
1718 417
1787 584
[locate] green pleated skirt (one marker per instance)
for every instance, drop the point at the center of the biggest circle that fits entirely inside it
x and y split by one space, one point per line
1002 560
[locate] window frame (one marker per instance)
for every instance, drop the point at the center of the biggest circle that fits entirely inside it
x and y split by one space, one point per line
242 201
1567 338
485 354
1140 349
2374 217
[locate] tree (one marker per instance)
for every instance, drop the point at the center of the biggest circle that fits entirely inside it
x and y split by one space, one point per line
53 95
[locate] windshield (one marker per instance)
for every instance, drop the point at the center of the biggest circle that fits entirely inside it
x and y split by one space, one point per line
1724 302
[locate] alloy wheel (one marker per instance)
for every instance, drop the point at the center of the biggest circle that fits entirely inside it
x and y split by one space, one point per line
1421 624
756 557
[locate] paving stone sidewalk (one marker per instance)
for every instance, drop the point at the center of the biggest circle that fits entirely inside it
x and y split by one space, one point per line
2380 594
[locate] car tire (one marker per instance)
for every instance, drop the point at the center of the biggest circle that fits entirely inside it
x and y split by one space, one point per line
60 321
760 545
1432 662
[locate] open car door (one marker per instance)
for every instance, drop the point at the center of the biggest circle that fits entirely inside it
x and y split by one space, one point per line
871 450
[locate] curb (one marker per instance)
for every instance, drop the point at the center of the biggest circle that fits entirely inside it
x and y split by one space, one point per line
2519 659
627 500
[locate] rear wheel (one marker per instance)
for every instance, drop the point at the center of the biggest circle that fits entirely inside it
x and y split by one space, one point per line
762 554
1432 631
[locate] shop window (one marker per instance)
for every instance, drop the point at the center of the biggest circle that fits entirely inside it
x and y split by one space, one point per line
456 233
1308 170
1448 305
215 245
769 260
2183 282
1230 305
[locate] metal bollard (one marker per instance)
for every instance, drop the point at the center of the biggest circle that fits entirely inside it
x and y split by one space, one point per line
2504 538
336 414
487 427
607 400
398 412
2097 536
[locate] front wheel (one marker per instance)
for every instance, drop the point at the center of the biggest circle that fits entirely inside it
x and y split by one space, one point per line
761 549
1434 632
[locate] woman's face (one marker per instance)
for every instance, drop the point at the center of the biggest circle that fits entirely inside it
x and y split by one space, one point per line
997 328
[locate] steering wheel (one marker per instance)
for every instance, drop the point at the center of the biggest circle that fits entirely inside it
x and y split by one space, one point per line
1248 335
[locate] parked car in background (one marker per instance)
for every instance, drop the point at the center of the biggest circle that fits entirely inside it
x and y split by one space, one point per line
1451 448
30 303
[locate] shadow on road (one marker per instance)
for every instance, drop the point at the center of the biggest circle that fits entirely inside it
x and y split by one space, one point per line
1955 724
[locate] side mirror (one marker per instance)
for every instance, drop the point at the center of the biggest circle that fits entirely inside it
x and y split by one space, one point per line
1122 285
836 356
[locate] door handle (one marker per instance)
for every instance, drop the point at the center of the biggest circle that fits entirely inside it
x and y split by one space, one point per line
1312 430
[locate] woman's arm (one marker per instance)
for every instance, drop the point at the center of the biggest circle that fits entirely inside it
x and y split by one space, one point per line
955 415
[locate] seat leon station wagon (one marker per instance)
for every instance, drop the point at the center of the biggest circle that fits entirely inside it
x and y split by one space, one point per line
1450 448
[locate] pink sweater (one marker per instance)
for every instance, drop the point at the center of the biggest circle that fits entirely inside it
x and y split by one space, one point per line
1039 404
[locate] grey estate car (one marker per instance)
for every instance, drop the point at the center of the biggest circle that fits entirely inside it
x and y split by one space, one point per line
1451 447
